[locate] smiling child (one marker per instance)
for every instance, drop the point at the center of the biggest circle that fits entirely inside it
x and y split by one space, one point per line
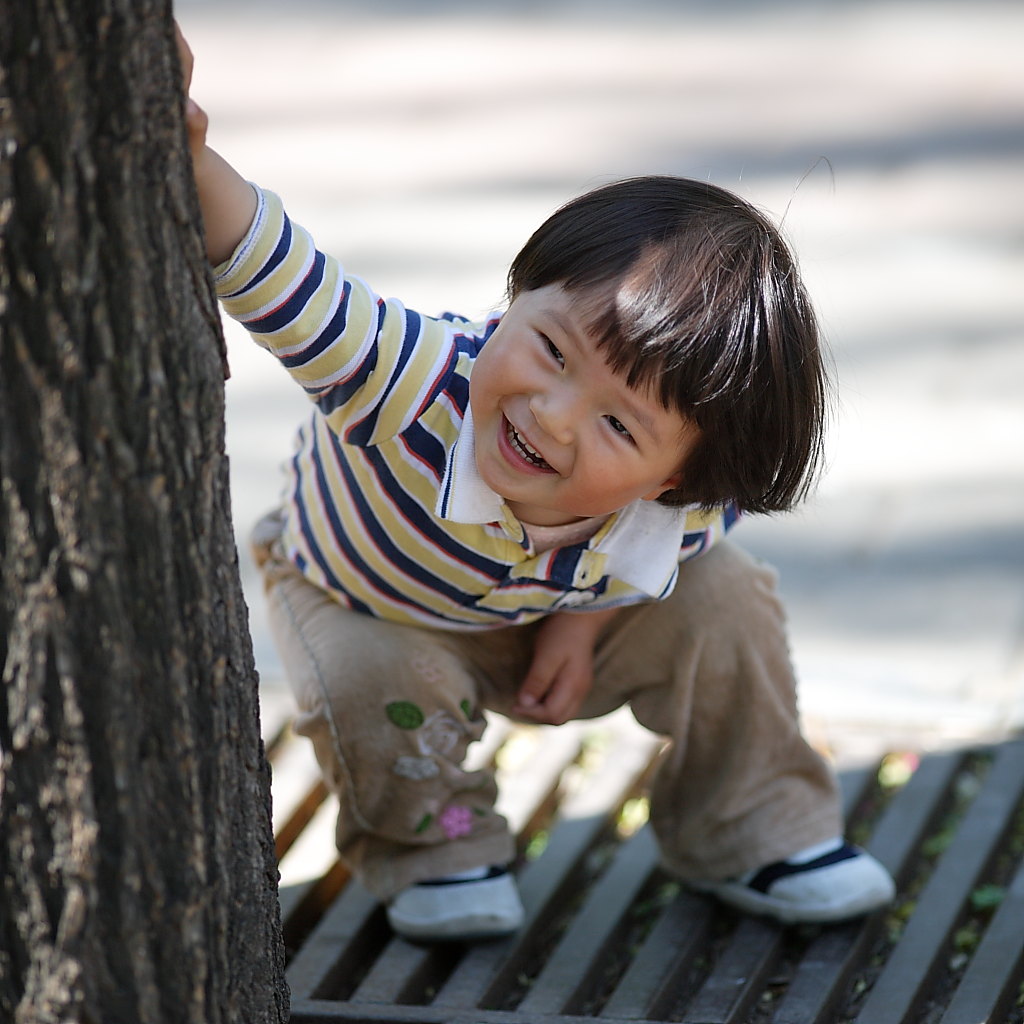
527 514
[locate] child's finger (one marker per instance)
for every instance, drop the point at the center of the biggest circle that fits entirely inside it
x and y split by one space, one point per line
533 691
535 713
197 123
560 703
525 699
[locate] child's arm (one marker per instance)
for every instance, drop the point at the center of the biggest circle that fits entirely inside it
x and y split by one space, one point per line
562 671
227 200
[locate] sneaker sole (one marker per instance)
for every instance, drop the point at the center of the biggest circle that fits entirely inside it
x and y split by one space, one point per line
458 912
478 930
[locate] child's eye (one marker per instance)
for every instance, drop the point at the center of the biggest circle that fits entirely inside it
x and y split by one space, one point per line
558 357
619 427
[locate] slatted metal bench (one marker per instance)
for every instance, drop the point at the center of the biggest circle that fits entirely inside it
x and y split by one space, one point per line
609 937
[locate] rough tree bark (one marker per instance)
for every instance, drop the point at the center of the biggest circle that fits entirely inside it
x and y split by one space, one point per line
138 877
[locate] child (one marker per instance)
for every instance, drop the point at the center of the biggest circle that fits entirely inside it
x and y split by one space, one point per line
526 514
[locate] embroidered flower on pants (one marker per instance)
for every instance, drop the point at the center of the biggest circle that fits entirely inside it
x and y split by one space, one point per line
456 821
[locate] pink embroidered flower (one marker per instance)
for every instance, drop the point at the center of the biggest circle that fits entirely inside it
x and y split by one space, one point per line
456 821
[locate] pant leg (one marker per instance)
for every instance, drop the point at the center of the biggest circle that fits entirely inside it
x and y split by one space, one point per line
739 787
390 711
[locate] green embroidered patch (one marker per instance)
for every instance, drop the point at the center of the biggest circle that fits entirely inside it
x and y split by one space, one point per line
404 714
467 708
424 823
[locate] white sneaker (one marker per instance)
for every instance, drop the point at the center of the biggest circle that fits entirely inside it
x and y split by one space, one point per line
484 905
831 882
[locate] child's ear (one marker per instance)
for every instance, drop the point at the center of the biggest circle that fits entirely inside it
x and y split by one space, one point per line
666 485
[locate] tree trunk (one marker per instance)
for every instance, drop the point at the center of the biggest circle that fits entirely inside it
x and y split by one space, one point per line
136 856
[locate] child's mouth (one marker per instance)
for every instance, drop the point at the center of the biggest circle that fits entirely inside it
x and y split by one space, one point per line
523 449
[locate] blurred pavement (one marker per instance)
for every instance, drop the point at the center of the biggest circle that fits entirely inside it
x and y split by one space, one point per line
423 142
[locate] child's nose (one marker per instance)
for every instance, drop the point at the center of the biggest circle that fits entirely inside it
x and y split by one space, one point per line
556 412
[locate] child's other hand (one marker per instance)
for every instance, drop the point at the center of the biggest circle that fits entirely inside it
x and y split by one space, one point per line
562 671
196 120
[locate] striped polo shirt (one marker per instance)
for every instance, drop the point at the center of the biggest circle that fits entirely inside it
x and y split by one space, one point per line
385 508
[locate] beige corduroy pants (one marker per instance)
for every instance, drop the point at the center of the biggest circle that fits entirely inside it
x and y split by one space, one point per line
391 709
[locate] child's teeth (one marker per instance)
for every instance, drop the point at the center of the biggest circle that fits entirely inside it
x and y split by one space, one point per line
524 448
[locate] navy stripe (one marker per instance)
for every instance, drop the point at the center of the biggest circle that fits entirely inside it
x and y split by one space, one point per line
407 565
344 546
387 548
700 538
331 333
361 433
481 339
452 318
423 520
446 497
427 447
442 377
294 304
669 587
322 563
276 258
563 564
457 389
730 515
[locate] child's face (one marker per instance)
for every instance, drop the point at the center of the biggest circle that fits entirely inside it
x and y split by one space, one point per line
559 435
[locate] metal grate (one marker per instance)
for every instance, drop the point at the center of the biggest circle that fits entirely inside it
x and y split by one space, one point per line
610 937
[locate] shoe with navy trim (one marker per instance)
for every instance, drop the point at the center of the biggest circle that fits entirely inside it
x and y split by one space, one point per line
833 881
480 904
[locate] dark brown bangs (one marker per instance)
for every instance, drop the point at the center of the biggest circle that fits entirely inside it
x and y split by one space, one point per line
717 325
691 320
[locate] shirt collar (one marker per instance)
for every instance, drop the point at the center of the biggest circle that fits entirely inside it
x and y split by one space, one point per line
464 497
641 544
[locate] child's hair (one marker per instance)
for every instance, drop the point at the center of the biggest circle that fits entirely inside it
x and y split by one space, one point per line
698 297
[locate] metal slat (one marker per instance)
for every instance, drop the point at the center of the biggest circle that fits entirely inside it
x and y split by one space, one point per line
333 948
739 976
823 974
650 985
754 948
323 1012
563 984
989 986
396 973
831 959
914 960
489 969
